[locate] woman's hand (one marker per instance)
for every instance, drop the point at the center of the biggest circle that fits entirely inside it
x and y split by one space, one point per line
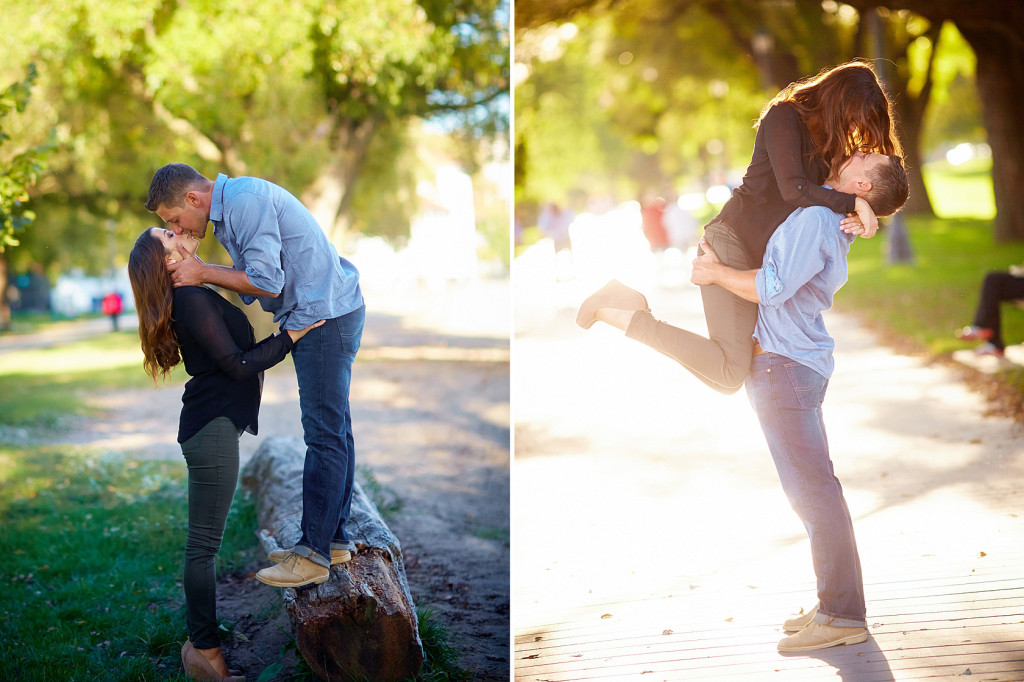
863 223
297 334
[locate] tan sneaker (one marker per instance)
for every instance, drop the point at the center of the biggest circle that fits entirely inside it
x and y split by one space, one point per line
798 623
295 571
338 556
818 636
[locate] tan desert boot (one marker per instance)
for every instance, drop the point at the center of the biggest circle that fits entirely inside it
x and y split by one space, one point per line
295 571
818 636
338 556
798 623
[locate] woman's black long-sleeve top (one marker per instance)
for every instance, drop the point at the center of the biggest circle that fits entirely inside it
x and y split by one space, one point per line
780 178
221 355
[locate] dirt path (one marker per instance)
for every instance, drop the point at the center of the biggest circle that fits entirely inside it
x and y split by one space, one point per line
430 406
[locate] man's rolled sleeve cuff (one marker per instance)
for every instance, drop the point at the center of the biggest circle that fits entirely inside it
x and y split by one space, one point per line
261 282
768 284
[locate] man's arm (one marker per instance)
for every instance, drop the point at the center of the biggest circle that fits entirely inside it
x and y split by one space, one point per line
193 272
708 269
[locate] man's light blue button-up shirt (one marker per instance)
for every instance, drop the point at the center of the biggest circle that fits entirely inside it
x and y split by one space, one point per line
804 265
276 241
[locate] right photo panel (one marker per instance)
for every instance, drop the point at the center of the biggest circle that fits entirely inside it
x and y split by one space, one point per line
767 397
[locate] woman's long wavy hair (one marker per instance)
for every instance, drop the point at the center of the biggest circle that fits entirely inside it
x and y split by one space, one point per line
846 110
154 297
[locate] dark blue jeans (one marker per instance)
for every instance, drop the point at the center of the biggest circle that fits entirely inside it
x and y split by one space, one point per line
323 365
787 397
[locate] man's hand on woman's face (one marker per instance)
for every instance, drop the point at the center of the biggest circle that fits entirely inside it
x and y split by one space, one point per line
186 272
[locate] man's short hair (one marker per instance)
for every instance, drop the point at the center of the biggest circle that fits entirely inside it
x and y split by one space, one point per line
889 187
171 183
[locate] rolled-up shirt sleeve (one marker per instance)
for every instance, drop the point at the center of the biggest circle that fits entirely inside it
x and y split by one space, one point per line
256 231
792 258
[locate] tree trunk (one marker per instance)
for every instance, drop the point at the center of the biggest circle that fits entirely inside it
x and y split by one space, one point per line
5 308
361 623
909 109
329 199
995 31
1000 79
910 120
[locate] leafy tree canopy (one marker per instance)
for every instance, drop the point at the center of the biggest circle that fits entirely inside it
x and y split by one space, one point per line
242 87
20 168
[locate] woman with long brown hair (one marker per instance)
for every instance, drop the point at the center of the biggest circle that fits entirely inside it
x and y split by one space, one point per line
804 135
213 338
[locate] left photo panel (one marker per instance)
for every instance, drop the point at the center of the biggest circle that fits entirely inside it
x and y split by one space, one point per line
255 352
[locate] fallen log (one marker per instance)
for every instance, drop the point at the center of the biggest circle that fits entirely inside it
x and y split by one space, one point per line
361 623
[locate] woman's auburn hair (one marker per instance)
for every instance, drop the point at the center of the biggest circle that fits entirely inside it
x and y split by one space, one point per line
154 299
846 110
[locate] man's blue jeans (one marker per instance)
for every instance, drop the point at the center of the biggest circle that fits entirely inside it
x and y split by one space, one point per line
323 365
787 397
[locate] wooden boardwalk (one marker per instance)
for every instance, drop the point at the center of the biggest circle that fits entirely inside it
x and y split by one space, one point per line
924 629
651 539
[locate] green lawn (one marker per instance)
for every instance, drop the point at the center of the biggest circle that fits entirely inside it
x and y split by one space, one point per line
93 544
921 304
963 191
90 587
926 301
40 387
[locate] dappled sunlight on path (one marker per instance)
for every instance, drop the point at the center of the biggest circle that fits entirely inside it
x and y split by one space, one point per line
660 541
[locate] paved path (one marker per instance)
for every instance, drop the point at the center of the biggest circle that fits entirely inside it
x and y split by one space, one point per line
64 332
652 539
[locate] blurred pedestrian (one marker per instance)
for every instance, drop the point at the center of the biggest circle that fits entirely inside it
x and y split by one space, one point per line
652 218
997 288
680 226
805 134
112 306
554 222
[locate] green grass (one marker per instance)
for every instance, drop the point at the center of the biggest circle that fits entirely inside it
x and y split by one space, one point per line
925 301
387 501
23 322
918 306
90 586
39 387
963 191
440 660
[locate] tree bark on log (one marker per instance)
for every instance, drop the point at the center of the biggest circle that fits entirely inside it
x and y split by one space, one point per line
361 623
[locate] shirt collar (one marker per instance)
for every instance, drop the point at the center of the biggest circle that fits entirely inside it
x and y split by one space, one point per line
217 200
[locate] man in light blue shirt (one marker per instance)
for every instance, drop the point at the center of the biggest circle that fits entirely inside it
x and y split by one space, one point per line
282 258
803 266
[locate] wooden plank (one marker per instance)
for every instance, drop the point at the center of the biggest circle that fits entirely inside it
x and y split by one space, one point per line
995 634
864 659
915 638
879 595
666 648
899 615
772 664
